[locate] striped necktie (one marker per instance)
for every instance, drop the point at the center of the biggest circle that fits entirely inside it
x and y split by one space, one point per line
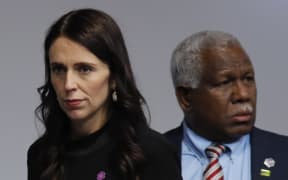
214 170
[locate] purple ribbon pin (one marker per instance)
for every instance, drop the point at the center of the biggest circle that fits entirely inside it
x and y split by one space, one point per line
101 175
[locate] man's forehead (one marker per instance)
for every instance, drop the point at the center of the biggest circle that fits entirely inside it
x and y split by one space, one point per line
224 52
226 59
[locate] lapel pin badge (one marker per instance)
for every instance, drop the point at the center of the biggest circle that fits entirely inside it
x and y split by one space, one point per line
265 172
269 162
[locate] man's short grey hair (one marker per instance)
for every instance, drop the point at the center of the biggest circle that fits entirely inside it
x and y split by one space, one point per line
186 62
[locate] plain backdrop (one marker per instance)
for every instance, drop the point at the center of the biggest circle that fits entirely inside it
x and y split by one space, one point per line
152 29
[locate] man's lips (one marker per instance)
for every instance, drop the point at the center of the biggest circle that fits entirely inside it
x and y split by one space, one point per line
242 117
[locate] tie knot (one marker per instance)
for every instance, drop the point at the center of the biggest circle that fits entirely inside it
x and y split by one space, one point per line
215 150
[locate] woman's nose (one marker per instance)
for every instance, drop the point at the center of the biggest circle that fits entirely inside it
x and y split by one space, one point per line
70 81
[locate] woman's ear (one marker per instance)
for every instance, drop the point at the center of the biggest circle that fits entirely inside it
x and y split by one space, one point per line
113 84
114 91
184 98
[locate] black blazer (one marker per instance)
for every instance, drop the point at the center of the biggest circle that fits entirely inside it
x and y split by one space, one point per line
264 145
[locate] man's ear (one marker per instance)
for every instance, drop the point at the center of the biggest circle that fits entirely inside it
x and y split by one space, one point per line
184 98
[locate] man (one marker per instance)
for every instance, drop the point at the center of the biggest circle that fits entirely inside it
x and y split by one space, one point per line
215 86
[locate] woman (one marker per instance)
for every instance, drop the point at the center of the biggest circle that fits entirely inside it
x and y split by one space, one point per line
95 127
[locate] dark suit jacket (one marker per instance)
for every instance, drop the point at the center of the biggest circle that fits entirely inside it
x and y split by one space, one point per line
264 145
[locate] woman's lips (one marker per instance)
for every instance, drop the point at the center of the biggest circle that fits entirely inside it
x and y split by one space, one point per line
73 103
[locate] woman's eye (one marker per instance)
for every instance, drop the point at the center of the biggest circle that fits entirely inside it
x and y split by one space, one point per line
85 69
57 69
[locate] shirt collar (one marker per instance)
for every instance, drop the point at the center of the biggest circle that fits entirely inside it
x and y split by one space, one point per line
196 144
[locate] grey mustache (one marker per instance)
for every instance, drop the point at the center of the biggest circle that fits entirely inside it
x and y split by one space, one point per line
244 108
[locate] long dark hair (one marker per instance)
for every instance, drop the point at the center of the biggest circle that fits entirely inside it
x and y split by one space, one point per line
99 33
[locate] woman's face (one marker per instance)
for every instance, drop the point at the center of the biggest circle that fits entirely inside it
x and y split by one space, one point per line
81 82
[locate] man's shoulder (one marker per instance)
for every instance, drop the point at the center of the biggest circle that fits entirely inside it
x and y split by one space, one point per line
267 145
175 135
175 132
269 138
261 133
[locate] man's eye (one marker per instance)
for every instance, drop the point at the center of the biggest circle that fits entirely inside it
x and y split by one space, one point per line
249 78
223 83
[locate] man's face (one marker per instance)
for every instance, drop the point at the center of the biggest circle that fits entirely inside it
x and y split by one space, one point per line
223 107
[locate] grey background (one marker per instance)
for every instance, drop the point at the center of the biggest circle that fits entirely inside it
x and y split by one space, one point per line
151 28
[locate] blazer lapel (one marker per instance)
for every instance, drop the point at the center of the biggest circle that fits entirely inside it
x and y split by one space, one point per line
260 151
175 136
256 156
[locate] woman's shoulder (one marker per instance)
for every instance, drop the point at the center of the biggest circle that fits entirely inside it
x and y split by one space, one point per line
153 142
161 159
36 145
35 154
35 150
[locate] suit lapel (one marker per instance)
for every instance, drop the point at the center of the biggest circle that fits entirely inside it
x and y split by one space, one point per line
255 156
175 136
259 152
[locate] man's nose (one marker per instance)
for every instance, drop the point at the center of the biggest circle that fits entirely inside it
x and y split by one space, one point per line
70 81
241 92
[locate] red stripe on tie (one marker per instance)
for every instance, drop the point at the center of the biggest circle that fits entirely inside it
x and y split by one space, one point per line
213 170
215 151
212 163
214 173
